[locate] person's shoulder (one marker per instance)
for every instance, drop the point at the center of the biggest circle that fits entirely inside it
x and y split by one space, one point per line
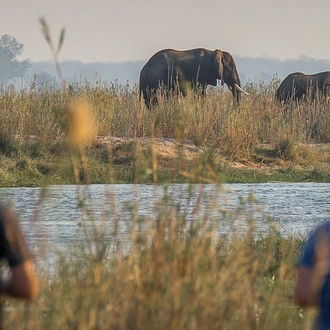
324 226
321 230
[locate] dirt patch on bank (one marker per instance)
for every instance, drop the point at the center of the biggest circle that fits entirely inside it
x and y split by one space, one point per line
312 155
163 147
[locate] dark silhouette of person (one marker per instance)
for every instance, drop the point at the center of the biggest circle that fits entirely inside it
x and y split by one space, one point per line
313 281
21 281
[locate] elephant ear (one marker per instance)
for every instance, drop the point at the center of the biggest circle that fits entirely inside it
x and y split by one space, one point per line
218 63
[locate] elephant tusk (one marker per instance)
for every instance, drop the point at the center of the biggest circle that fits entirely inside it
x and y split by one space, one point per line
241 90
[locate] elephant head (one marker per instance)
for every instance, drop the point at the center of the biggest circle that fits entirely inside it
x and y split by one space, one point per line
226 67
218 63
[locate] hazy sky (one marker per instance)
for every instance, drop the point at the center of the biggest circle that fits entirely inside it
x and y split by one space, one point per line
122 30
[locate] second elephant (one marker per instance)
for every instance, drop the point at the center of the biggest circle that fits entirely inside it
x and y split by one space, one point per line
296 85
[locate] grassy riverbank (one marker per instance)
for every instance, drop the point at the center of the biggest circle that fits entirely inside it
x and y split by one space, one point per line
207 140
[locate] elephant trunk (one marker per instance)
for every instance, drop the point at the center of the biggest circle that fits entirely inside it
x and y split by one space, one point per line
235 86
236 93
232 80
237 90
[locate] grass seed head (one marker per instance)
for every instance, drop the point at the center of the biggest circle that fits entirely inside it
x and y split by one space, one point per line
81 128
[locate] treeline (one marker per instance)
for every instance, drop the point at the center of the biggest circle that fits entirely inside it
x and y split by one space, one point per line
250 70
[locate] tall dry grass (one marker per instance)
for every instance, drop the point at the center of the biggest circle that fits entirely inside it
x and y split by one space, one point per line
213 121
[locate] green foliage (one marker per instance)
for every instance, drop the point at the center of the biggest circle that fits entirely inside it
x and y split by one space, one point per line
10 67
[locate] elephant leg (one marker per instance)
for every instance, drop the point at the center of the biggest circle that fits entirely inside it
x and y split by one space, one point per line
203 90
150 97
182 88
146 97
236 95
299 94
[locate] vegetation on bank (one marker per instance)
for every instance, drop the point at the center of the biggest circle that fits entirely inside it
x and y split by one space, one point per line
272 142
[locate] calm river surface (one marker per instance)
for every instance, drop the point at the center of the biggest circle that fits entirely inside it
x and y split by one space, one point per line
52 216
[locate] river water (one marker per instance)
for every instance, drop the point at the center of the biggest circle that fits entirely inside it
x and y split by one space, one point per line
53 216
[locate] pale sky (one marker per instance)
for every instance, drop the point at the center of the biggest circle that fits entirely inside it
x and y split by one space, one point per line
128 30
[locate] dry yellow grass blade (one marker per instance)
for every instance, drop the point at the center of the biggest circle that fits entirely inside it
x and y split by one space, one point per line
81 128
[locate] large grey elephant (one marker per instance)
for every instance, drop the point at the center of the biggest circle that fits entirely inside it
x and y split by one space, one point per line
298 84
196 68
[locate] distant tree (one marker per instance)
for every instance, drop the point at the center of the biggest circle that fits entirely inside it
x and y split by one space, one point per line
10 67
43 79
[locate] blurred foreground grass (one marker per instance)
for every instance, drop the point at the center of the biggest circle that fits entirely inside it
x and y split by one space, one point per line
169 272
